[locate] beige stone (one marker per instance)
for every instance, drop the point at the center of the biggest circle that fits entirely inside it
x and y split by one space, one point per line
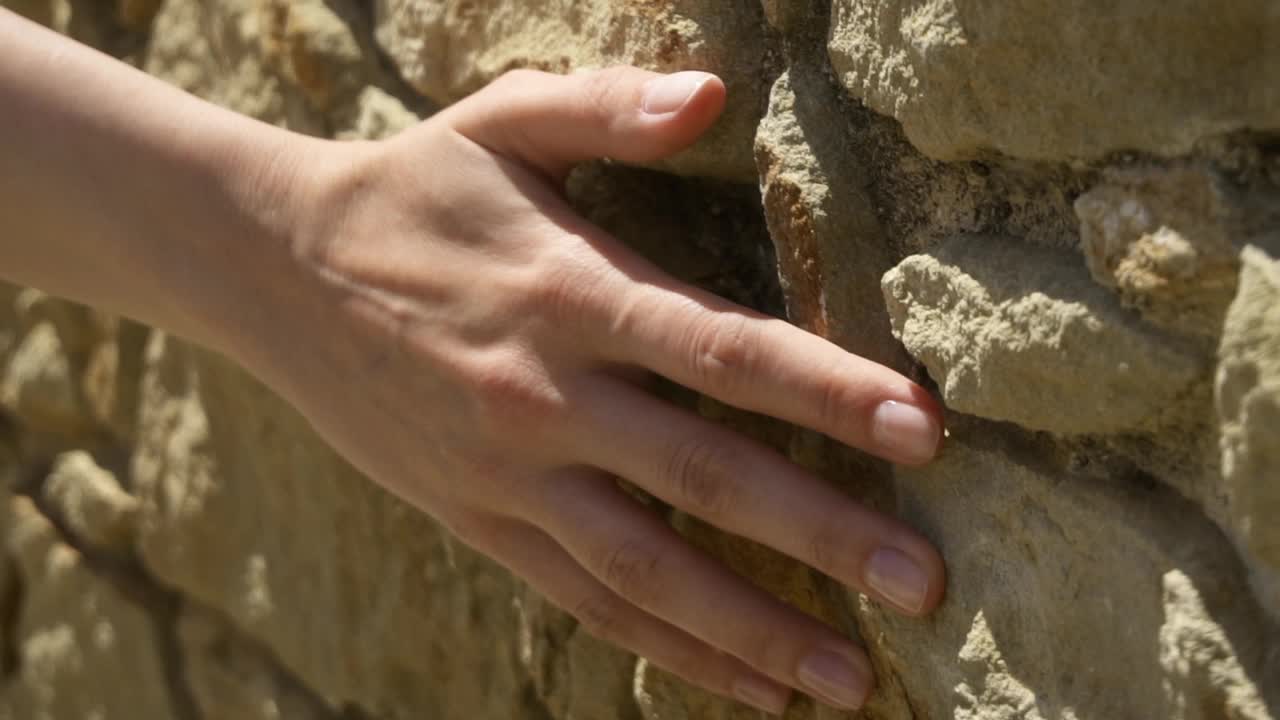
1054 80
1203 678
379 115
300 65
1167 241
1017 333
9 327
822 221
1072 596
84 649
91 502
448 49
230 678
1248 397
38 382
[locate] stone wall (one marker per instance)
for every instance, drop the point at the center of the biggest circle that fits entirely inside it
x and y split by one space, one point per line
1062 215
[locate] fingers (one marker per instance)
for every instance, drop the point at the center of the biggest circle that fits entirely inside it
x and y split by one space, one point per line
556 121
536 557
757 363
747 489
640 558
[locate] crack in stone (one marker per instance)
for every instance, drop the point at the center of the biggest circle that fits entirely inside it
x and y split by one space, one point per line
126 576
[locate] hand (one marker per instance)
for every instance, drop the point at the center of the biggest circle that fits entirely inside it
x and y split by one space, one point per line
465 339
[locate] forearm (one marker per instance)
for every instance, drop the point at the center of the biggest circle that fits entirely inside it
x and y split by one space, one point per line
123 192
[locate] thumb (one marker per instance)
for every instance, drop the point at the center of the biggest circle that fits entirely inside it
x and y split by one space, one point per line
553 122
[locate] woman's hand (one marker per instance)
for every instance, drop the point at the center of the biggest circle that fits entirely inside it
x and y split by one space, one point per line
449 324
465 339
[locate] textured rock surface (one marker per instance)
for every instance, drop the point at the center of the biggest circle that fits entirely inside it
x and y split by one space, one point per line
1053 80
1175 597
1102 326
1248 394
448 49
82 648
1022 334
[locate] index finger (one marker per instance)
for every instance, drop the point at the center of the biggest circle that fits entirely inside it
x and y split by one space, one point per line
762 364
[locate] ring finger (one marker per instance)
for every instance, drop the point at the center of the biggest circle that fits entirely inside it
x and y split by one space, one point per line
544 564
633 552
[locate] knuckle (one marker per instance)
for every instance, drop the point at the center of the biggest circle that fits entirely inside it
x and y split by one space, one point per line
700 473
631 568
601 93
601 615
767 648
509 394
834 402
723 351
569 294
824 546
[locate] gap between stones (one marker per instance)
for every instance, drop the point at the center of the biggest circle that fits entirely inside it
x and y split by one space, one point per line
128 577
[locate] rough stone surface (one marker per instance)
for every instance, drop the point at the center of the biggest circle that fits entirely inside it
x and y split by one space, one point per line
83 648
91 502
1248 395
1102 619
1022 334
229 678
1167 241
1052 80
37 383
821 220
310 66
1102 326
450 48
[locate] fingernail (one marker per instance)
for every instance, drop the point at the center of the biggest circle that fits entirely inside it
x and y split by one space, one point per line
834 678
669 93
897 577
762 694
905 431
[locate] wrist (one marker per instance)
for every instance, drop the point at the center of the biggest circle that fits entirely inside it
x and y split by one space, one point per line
295 198
240 301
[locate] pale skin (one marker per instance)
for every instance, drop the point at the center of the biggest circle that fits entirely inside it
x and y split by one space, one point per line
443 318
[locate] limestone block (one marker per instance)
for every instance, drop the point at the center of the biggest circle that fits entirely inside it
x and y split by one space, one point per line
1199 661
830 247
84 649
1017 333
91 503
1248 399
136 14
300 65
1167 241
230 678
112 368
9 328
39 385
1071 596
448 49
77 368
573 674
378 115
1054 80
